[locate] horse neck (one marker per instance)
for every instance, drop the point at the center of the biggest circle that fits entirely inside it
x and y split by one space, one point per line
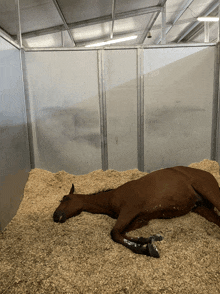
97 203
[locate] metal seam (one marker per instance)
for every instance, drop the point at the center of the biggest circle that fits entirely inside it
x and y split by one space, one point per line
103 111
27 110
215 107
140 109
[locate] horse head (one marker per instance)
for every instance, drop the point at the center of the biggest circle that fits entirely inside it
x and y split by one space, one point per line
70 206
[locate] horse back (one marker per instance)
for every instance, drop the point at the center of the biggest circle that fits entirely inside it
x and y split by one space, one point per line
160 187
167 188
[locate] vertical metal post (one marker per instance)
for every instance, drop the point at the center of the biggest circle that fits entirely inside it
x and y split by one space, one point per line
28 109
62 39
218 39
216 98
140 108
163 26
215 107
206 27
19 38
102 110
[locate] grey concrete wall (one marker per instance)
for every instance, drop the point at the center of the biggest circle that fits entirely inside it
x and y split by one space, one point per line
14 148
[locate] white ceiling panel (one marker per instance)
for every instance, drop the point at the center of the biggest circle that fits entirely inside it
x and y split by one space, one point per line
78 10
8 16
176 31
36 15
128 5
92 33
47 41
132 24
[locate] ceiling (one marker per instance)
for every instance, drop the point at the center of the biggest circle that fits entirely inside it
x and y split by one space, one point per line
77 23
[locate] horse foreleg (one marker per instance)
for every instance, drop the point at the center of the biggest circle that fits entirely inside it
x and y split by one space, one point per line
142 241
124 219
207 213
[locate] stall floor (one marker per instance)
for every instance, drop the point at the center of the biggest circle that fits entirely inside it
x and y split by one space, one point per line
38 255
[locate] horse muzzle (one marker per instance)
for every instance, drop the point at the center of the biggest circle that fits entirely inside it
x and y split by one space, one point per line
59 217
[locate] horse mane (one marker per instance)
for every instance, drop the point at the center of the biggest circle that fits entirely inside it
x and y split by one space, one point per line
102 191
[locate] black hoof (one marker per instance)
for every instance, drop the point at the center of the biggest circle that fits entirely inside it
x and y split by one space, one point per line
144 241
150 250
157 237
153 250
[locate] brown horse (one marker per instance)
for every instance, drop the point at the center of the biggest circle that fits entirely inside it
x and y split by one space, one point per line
165 193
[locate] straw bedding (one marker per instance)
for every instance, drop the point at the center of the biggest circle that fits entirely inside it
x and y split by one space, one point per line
40 256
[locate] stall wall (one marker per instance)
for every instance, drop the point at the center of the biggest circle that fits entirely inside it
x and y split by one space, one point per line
121 101
14 147
178 106
64 107
63 91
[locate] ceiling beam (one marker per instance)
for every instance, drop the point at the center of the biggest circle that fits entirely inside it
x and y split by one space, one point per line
60 28
189 29
169 24
106 37
120 47
152 21
113 18
218 38
8 38
163 26
199 29
149 26
19 37
64 21
93 21
183 8
206 32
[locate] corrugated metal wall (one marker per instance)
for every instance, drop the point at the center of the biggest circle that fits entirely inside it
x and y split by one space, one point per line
14 149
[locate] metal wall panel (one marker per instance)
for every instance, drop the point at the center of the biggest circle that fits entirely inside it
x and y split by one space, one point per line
178 106
14 147
63 95
121 100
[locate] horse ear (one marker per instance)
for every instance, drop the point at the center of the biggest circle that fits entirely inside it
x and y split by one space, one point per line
72 189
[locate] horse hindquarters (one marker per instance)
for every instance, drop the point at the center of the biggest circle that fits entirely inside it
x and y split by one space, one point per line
208 213
209 190
203 182
212 194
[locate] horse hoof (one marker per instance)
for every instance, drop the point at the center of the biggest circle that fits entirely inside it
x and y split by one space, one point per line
157 237
153 250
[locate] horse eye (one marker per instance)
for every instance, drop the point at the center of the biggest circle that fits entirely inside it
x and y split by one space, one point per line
65 198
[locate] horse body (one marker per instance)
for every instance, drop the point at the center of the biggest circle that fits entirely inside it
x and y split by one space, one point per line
165 193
